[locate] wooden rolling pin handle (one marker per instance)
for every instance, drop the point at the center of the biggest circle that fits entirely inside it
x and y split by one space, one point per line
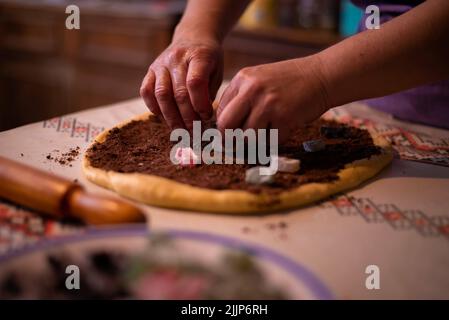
60 198
95 209
32 188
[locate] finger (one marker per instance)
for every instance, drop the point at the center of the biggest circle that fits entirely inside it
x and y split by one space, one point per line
164 96
182 97
147 92
229 93
234 114
216 80
256 120
284 129
198 87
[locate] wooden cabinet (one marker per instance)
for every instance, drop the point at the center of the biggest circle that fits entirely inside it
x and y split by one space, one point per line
112 55
26 30
32 90
248 47
47 70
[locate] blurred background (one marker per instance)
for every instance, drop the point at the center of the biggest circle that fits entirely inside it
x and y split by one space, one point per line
47 70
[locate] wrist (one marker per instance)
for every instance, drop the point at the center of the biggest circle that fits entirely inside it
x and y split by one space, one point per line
314 75
186 31
338 79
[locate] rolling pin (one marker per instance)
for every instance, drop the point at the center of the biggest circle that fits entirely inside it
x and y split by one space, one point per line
61 198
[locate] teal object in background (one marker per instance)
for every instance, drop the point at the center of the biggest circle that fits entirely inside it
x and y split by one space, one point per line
350 16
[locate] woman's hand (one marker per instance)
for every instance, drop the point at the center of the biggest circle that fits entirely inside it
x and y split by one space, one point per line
282 95
182 82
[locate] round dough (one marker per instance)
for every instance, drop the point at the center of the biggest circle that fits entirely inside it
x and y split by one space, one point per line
163 192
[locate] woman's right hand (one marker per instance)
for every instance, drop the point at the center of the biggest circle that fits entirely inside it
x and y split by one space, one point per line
182 82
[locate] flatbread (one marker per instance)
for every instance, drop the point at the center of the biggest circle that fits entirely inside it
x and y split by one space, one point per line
163 192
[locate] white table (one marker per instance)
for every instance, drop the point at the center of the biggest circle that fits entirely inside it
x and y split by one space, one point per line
398 221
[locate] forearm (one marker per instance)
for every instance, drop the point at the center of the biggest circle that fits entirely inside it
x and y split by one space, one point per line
209 20
408 51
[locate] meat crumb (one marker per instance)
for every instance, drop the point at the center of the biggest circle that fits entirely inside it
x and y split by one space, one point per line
65 158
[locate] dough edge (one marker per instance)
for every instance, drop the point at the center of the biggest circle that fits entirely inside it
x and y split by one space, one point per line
163 192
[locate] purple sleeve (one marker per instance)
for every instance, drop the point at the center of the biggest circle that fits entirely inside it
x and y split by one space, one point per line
427 104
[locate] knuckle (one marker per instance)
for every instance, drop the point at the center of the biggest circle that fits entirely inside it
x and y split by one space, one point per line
175 55
157 63
203 54
195 82
162 93
248 76
255 85
181 95
245 73
145 91
271 99
152 66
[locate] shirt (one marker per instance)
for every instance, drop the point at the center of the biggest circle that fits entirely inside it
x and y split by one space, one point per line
428 104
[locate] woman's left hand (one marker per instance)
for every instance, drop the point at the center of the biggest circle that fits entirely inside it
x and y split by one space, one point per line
282 95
